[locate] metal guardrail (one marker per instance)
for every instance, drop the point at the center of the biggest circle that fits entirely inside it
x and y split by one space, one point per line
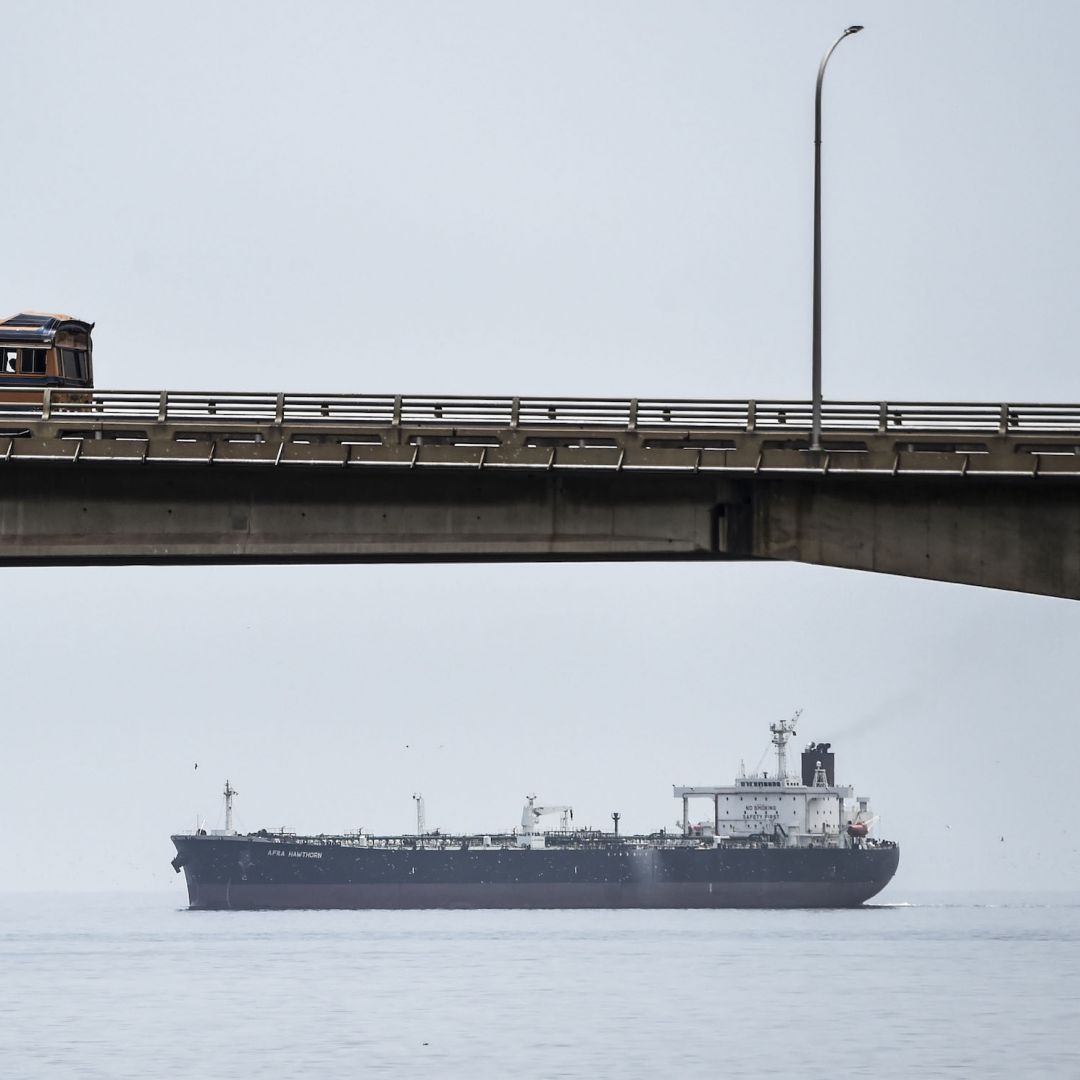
751 438
839 417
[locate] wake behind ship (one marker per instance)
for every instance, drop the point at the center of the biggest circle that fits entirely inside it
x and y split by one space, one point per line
779 841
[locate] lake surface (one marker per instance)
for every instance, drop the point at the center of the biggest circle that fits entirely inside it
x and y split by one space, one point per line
136 986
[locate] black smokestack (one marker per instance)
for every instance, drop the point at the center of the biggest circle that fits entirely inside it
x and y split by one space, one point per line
814 753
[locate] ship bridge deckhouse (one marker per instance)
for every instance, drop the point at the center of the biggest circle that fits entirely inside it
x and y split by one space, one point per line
806 810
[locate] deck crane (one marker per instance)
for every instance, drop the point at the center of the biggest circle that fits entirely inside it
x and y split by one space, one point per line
531 814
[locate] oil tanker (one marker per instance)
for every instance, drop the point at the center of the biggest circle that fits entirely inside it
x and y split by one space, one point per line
779 841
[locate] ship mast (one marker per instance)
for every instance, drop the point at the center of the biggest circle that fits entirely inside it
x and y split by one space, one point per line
419 800
229 793
780 734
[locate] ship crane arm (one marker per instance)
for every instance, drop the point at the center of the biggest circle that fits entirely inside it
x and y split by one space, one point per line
531 814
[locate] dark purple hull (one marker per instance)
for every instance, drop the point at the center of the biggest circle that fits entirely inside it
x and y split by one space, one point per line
251 873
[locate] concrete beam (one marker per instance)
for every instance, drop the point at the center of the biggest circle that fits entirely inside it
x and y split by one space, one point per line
54 514
1003 514
1004 534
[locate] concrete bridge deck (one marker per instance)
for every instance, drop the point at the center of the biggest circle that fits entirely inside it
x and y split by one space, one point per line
979 493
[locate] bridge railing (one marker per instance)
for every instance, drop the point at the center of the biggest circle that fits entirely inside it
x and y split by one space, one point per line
838 417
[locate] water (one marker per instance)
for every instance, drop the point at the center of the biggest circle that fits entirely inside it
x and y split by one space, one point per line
130 986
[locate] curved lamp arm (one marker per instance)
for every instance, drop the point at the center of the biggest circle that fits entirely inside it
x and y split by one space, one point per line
815 407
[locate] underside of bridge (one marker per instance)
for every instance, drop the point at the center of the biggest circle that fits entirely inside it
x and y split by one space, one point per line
1001 533
1004 533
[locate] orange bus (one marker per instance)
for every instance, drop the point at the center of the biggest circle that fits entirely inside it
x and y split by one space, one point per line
38 350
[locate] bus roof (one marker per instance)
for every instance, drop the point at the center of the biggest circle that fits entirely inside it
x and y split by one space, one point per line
38 327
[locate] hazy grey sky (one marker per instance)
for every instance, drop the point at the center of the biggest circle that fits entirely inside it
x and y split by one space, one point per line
569 198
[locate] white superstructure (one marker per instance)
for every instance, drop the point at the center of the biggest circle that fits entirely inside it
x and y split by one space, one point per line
810 810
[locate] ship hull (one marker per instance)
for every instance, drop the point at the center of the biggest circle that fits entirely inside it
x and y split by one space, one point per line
246 874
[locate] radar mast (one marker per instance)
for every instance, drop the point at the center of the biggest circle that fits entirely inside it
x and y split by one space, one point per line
229 793
780 734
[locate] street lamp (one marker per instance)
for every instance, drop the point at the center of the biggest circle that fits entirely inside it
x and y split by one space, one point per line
815 412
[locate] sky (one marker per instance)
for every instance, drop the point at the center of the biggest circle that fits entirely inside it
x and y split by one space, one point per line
605 199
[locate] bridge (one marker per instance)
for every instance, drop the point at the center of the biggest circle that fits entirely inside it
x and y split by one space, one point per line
983 494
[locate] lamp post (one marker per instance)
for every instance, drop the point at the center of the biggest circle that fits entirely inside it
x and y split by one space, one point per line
815 409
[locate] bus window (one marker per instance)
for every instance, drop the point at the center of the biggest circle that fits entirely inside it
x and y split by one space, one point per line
10 356
74 363
33 361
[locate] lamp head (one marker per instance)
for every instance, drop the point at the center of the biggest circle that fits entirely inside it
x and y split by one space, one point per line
853 29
